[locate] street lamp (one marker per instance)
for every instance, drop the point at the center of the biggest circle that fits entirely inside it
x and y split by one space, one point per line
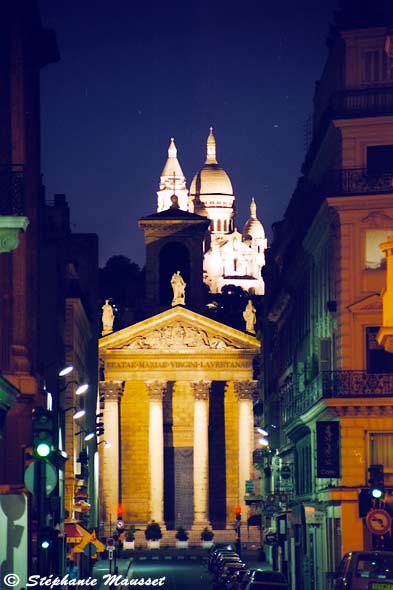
78 414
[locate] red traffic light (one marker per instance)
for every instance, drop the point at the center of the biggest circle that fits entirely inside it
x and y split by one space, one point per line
238 512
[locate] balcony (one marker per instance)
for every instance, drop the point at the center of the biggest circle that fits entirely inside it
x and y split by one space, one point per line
12 218
334 384
362 102
356 181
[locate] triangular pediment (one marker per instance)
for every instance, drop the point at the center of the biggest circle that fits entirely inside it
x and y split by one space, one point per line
370 303
176 330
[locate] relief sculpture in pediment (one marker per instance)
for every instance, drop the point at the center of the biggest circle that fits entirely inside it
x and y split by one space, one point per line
178 336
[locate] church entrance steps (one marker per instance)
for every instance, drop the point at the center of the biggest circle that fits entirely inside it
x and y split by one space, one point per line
249 536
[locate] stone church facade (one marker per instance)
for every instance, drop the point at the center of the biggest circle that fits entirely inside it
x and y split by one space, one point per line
177 400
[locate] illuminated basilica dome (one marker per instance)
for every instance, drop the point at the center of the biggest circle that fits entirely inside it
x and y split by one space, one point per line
230 257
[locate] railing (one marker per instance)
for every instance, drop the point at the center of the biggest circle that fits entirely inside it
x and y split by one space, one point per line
362 102
357 384
12 190
335 384
355 181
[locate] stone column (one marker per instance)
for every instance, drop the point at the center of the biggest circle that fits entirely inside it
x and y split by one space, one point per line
201 391
111 392
156 391
245 391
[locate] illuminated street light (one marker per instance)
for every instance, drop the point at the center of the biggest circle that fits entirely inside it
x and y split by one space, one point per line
82 389
264 442
262 431
66 371
79 414
89 436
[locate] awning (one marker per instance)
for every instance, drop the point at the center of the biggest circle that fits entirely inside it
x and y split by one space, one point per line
75 532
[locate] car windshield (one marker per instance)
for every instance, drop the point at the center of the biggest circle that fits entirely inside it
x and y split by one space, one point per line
375 566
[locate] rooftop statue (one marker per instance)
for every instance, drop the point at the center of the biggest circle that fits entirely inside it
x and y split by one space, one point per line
107 318
250 317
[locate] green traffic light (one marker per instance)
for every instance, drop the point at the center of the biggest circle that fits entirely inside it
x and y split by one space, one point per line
45 544
43 450
377 493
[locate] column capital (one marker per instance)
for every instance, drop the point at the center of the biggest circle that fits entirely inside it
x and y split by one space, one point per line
111 390
155 390
245 389
201 389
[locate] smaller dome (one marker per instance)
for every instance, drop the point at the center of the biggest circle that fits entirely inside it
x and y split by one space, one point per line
253 228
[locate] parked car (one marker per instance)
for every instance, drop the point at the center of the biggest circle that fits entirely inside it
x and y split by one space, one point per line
213 555
267 580
219 558
226 560
228 569
239 580
365 570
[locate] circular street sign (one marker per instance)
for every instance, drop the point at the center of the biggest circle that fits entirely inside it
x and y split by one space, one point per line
378 521
50 477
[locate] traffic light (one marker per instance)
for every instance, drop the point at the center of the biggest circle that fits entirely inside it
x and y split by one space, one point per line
376 481
42 433
99 424
238 513
365 502
47 537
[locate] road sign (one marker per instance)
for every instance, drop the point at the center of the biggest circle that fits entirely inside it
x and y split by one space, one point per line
110 553
50 477
378 521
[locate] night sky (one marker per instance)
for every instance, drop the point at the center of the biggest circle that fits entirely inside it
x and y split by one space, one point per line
134 74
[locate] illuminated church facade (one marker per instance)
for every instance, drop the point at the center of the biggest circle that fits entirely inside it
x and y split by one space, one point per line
230 257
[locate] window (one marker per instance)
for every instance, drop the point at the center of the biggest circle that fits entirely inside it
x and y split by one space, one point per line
303 467
225 225
376 67
378 360
374 257
379 159
218 224
381 450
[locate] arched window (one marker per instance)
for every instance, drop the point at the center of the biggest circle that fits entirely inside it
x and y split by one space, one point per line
225 225
235 264
218 224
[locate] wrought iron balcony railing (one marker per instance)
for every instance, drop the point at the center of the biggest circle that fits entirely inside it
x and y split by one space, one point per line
356 181
335 384
12 190
364 102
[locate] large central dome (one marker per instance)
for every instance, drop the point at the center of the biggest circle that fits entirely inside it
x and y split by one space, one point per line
211 179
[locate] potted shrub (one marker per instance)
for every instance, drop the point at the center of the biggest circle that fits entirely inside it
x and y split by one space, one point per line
181 538
207 538
153 535
129 541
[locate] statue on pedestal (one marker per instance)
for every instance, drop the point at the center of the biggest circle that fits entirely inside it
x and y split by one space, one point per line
179 288
250 317
107 318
